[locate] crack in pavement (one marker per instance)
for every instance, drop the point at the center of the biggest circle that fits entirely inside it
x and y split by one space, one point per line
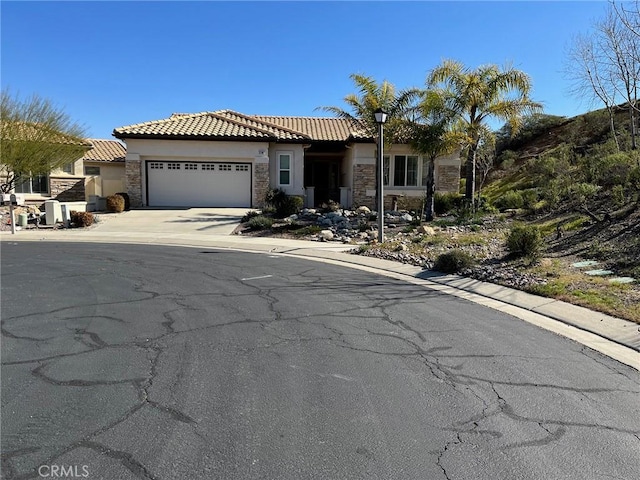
367 305
126 459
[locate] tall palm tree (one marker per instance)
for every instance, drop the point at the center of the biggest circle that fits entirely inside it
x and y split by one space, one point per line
475 96
432 134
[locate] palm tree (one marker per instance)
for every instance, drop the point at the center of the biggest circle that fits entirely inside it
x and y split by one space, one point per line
372 96
475 96
432 135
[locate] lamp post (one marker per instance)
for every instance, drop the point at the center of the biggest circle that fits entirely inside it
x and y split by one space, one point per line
381 118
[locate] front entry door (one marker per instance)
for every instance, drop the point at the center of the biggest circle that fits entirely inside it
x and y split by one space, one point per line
326 180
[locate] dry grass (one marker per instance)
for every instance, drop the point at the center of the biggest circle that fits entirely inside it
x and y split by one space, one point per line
571 285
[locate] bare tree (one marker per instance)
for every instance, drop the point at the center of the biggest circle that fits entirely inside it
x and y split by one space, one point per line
629 15
605 65
591 77
621 48
485 158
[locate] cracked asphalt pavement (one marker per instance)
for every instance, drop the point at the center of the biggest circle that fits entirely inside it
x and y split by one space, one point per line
151 362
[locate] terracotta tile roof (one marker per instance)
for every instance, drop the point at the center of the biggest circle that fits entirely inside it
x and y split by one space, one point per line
317 128
230 125
105 151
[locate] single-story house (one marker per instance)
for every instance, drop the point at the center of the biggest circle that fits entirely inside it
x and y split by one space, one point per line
100 171
228 159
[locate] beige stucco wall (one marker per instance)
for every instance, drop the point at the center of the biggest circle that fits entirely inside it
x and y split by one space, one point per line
297 171
111 179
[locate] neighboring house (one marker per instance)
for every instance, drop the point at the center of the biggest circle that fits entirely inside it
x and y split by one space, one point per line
228 159
100 171
104 168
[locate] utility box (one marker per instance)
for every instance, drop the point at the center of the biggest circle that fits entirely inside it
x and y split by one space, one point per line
92 204
53 212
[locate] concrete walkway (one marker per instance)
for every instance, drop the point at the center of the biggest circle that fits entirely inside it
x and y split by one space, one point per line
211 228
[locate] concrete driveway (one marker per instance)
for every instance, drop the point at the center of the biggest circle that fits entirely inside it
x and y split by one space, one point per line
209 221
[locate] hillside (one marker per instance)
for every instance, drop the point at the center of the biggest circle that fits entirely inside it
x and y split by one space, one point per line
576 186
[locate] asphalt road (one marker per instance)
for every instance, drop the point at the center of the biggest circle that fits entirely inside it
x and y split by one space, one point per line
129 362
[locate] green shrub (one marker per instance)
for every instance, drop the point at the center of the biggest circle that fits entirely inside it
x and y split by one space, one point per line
510 200
260 223
308 230
618 196
609 170
580 193
290 205
444 203
453 261
81 219
249 215
529 198
127 200
552 192
282 204
525 241
115 203
506 159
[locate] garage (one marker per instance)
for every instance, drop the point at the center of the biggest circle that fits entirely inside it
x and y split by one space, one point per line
198 184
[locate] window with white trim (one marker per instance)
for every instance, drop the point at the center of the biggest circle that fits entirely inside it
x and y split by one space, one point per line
190 166
284 168
405 170
90 170
69 168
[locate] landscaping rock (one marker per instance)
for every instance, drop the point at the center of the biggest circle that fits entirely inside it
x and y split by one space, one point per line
363 209
426 230
326 235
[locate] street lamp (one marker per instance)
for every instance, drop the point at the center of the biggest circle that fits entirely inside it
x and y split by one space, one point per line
381 118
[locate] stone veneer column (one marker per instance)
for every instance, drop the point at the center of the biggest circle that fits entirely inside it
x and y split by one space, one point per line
364 178
133 179
260 180
448 179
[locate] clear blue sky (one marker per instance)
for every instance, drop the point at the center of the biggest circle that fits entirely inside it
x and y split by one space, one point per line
109 64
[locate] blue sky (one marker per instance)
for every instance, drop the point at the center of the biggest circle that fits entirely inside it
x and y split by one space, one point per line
109 64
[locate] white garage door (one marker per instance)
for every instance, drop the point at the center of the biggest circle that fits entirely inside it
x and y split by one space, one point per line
198 184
